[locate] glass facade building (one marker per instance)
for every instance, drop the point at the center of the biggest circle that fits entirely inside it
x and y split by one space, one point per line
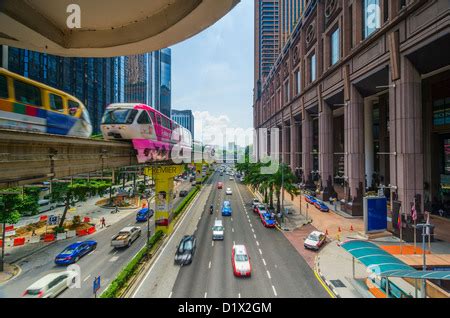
148 80
98 82
185 118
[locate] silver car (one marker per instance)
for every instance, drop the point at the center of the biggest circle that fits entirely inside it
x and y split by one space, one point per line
51 285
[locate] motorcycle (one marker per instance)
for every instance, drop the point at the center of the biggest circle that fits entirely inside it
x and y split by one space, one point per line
211 209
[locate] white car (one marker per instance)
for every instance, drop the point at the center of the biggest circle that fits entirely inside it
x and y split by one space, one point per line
228 191
255 202
240 261
51 285
315 240
218 230
231 178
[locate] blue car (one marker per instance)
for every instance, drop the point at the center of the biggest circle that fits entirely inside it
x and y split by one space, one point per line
226 208
74 252
310 199
144 214
321 206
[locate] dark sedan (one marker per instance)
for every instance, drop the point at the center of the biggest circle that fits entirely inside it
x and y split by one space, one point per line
183 193
186 250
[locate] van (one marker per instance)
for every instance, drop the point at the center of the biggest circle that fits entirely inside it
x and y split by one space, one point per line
218 230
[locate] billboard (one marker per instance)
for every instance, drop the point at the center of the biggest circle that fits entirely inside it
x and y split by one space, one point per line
375 214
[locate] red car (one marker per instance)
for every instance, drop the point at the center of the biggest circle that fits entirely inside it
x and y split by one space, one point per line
260 208
240 261
219 185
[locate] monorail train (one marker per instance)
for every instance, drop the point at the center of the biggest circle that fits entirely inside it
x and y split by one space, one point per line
28 105
152 133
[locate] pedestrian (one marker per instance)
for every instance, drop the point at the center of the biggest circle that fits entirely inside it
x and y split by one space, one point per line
117 209
103 222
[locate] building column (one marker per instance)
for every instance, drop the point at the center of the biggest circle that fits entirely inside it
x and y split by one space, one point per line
405 102
368 141
307 147
354 147
326 150
293 133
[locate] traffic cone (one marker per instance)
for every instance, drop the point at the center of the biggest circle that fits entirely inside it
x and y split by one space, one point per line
351 227
339 229
326 232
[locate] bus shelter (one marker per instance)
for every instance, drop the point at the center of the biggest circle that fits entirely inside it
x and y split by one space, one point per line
384 265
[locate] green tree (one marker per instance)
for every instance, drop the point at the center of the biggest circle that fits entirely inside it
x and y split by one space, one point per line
9 213
79 190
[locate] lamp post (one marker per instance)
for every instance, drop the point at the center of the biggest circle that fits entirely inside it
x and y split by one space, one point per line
424 227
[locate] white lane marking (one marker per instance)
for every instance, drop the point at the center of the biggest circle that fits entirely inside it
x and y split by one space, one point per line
113 259
274 290
212 243
232 230
87 277
167 244
257 243
115 252
253 230
239 295
268 275
170 295
209 265
251 226
260 252
231 219
254 235
206 294
264 262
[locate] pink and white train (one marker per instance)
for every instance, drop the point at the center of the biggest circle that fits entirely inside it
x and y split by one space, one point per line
152 133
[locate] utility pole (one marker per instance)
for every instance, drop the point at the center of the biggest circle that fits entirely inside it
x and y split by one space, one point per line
424 227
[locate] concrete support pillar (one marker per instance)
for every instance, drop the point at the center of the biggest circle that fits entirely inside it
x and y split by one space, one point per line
326 150
307 147
5 56
354 147
406 137
368 141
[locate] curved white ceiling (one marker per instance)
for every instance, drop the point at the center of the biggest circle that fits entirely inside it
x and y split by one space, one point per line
107 27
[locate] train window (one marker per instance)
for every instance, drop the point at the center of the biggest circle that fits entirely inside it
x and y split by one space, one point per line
152 116
158 118
56 102
27 93
143 118
73 107
3 87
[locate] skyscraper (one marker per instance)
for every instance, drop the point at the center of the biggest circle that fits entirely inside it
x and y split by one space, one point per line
289 14
148 80
185 118
266 39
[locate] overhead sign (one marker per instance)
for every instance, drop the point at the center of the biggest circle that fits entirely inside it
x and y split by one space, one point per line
375 214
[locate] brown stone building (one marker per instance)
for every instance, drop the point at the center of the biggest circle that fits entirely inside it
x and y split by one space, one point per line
361 94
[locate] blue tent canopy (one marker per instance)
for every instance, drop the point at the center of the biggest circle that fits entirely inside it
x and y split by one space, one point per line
384 264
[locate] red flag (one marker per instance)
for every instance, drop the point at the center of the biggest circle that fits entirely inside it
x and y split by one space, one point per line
399 220
414 212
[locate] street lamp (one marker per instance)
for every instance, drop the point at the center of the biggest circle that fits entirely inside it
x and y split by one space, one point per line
148 231
425 227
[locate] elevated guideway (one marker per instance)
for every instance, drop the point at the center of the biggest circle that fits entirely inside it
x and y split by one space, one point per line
34 157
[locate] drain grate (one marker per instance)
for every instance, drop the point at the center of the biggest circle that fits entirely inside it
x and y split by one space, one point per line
337 283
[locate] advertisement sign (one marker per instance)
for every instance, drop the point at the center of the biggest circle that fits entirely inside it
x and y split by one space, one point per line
375 214
52 220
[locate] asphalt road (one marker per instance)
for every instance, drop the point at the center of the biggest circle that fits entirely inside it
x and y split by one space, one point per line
277 269
104 261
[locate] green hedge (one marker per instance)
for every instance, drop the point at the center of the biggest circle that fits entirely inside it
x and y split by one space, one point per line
185 201
125 274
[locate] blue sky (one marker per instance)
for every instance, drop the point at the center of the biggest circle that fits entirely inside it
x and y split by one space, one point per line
212 73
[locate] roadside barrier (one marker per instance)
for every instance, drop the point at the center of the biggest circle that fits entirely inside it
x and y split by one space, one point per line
49 237
43 218
70 234
86 219
91 230
61 236
82 232
18 241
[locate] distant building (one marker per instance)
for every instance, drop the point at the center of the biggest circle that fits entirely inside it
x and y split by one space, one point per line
185 118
